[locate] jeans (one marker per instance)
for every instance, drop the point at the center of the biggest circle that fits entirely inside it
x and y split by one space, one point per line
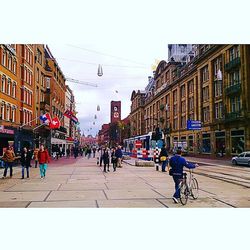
177 179
36 163
8 165
27 170
43 168
163 165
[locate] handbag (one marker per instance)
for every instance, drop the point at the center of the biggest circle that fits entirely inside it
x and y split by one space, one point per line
163 158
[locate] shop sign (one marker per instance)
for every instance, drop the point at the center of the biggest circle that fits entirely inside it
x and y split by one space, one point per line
6 131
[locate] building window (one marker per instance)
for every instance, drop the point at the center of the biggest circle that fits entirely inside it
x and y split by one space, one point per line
183 122
205 94
218 88
206 114
183 106
175 110
175 95
37 74
3 83
191 87
8 86
235 104
237 141
191 143
8 112
183 91
234 52
9 62
206 143
4 58
14 66
175 123
14 89
217 65
205 74
234 78
3 110
191 103
13 116
218 110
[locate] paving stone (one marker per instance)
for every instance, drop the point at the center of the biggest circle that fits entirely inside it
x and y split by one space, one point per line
14 204
76 195
132 194
34 187
82 186
23 196
147 203
63 204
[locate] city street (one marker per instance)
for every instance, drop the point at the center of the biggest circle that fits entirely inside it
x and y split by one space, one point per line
81 183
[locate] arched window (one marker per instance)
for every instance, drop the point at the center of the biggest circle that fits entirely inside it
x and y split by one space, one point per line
13 89
4 58
9 61
8 112
8 86
2 110
13 115
14 66
3 83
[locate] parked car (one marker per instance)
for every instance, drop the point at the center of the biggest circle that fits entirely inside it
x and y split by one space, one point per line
243 158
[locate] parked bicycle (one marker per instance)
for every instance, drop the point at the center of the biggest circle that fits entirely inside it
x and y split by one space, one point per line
188 187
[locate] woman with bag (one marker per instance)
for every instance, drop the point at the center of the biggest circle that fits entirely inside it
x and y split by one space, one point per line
164 158
43 158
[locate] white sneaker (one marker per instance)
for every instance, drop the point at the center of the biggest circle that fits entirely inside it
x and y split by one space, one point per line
175 200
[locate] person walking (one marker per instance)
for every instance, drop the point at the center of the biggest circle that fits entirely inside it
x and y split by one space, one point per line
36 156
89 152
9 158
25 161
43 158
113 159
118 155
163 158
100 151
177 162
68 152
105 158
94 151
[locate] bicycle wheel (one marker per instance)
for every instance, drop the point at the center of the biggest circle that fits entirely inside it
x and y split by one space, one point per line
183 193
194 189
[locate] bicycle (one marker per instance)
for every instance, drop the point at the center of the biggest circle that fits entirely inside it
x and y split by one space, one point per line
188 187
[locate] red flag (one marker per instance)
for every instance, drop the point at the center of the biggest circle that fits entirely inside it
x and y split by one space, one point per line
68 114
55 123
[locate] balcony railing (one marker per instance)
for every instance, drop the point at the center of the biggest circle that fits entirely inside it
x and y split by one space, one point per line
233 116
232 64
233 89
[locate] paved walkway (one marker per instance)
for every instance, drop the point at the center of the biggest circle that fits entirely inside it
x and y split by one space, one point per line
81 183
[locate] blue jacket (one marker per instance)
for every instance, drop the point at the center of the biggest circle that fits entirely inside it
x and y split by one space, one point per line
118 153
177 163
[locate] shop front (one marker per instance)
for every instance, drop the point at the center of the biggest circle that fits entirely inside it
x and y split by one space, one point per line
220 142
237 141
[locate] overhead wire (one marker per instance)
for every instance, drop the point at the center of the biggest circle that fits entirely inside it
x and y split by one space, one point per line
105 54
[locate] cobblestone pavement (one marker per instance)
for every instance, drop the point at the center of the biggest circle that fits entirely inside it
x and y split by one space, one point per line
81 183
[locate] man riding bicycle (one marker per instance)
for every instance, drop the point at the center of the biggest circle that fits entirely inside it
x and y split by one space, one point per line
177 162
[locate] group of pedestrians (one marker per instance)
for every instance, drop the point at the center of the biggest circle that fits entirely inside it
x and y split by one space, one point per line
40 156
107 156
176 163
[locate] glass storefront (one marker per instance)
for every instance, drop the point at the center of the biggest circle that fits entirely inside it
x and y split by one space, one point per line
206 143
220 142
237 141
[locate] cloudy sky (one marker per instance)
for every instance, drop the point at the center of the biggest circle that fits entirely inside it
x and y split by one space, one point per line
129 36
125 67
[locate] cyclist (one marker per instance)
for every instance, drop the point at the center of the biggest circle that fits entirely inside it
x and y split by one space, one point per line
177 162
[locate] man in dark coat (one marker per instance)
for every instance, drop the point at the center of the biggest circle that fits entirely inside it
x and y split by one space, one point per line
25 161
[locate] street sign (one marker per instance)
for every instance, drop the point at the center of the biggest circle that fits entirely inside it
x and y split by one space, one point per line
193 125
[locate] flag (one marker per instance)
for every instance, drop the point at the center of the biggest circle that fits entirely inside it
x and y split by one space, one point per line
55 123
69 114
45 118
